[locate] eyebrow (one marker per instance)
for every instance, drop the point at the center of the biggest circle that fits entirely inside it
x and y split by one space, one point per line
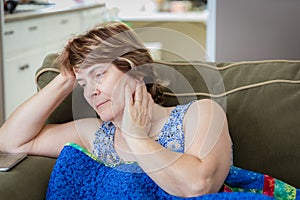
95 67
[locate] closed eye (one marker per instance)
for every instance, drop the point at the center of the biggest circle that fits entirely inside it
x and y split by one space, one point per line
99 75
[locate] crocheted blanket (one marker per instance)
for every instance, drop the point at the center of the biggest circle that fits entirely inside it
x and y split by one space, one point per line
77 174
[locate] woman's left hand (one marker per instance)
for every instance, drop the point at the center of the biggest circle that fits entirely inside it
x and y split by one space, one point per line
137 112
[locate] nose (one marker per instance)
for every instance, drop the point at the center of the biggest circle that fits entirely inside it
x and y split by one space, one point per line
96 92
92 90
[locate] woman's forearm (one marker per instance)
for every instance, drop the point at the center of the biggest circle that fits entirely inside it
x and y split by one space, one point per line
28 119
178 174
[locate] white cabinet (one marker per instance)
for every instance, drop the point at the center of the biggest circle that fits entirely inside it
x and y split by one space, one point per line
61 27
28 41
22 36
22 56
19 79
90 18
12 39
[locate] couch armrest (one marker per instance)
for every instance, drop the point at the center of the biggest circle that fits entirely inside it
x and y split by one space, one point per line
28 180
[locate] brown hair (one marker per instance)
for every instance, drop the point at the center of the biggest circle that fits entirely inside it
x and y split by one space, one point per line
114 43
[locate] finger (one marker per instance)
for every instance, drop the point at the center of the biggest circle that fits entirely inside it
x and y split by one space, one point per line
138 96
128 96
150 104
145 95
131 82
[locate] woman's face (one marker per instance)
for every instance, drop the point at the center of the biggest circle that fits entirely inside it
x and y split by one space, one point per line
103 86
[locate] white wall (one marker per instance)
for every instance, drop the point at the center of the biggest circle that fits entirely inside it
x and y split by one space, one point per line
241 30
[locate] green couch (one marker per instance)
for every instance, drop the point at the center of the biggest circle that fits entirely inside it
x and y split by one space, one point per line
261 100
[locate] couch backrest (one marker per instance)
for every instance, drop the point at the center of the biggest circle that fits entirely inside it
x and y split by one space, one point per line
261 100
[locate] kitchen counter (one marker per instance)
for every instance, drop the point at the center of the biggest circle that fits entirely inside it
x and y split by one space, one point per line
49 10
176 33
196 16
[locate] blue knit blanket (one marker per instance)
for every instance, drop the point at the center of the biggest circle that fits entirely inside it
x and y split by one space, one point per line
78 175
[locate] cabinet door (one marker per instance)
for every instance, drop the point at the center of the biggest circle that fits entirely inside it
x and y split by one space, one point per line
33 33
12 38
23 36
19 82
90 18
53 48
61 27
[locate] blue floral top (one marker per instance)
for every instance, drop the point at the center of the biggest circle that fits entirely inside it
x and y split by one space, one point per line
171 137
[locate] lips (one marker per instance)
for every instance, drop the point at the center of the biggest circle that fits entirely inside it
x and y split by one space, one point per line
101 103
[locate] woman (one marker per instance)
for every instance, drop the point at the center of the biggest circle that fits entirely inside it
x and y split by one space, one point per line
185 150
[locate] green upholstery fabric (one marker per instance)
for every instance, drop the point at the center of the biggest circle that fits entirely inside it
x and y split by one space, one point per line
27 180
262 103
261 100
264 120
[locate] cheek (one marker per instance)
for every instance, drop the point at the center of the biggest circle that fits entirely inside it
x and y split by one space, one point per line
90 101
87 94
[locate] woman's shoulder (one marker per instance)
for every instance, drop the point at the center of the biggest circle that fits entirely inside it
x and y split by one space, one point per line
202 112
204 124
204 106
86 129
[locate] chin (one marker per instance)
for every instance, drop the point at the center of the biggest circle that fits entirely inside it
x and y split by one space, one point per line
104 116
109 114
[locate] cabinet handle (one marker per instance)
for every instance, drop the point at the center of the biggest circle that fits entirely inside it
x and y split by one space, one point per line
32 28
9 32
64 21
23 67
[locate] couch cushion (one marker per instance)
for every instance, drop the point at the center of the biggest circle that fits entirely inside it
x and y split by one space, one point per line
27 180
264 115
261 100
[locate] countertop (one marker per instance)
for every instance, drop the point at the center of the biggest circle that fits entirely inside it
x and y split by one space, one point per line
50 10
195 16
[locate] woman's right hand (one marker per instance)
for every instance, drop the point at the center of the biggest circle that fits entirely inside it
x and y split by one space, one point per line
69 79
